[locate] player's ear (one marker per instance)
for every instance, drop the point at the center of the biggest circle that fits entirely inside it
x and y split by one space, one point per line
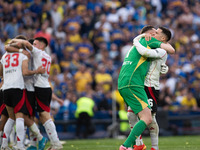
164 38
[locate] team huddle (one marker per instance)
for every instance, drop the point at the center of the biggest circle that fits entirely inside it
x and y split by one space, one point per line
25 90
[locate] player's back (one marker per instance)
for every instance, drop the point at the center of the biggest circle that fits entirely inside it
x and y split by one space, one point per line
135 66
153 75
41 58
12 70
28 80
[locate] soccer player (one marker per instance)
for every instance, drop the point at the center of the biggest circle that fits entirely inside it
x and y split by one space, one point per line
13 65
43 90
3 111
35 134
131 85
157 66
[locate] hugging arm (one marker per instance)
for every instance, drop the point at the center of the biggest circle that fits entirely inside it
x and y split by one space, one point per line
27 72
19 43
151 53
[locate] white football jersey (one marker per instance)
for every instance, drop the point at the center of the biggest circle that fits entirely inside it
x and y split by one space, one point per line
153 75
28 80
12 70
41 58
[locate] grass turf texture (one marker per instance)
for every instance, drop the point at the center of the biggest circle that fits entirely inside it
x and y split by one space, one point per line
165 143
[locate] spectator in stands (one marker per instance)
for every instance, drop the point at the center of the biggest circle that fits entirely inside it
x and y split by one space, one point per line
102 78
105 27
56 17
36 9
43 32
189 102
54 65
196 91
82 78
84 48
72 105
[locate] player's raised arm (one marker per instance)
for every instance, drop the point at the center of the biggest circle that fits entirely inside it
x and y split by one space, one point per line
12 49
151 53
168 48
21 44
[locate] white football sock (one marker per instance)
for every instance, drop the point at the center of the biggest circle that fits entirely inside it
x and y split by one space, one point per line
139 141
20 132
12 137
7 129
25 129
154 132
51 131
36 132
33 139
133 119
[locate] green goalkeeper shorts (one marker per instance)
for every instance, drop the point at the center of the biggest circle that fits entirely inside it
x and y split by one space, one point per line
135 97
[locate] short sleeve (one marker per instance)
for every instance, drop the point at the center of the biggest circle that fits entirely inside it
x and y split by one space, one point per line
24 57
35 50
161 52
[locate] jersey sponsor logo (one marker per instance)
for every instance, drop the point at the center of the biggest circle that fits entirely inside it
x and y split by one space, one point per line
127 63
10 71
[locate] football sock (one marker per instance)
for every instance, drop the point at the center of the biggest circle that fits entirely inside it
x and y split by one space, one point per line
154 131
139 141
25 129
7 129
133 119
12 136
135 133
51 131
33 139
20 132
36 132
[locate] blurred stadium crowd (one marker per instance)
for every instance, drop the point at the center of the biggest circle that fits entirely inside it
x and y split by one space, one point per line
88 40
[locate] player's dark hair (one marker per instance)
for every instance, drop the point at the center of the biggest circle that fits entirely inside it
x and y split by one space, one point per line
146 28
167 32
31 41
42 39
21 37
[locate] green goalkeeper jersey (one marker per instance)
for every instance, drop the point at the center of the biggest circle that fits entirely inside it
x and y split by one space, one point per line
135 66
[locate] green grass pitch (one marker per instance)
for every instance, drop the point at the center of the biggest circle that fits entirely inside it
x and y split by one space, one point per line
165 143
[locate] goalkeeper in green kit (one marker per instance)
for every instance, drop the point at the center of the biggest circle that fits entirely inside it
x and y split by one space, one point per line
132 76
